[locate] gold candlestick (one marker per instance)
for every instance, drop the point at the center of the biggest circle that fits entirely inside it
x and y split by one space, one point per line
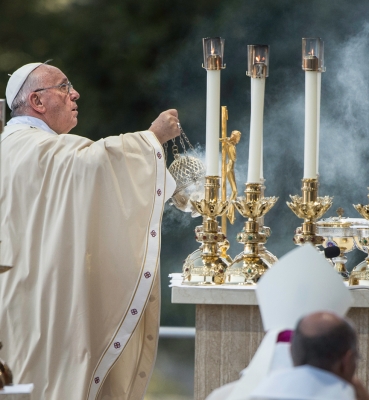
248 267
264 253
309 207
213 268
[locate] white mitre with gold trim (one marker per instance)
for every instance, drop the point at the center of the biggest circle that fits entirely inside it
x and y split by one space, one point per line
300 283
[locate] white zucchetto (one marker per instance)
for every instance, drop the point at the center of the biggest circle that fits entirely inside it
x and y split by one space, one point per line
16 81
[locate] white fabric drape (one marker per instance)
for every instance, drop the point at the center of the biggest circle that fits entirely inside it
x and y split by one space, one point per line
81 222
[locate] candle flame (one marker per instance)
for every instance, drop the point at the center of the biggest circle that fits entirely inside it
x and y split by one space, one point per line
257 58
212 51
311 53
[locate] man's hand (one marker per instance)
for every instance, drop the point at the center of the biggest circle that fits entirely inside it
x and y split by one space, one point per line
361 392
165 127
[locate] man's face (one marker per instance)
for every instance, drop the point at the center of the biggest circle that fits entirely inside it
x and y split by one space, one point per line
61 107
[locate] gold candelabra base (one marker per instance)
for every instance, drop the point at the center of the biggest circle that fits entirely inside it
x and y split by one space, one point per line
309 207
251 264
206 266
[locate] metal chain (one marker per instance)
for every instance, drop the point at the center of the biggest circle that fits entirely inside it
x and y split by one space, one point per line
187 140
182 143
174 148
182 136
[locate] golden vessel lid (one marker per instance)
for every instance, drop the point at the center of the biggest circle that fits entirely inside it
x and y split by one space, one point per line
335 222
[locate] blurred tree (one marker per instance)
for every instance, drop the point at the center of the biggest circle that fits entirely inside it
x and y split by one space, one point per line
109 50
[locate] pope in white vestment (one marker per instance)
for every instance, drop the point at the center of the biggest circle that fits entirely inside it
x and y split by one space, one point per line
80 220
303 383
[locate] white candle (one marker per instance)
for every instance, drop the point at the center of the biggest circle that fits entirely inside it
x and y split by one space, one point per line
261 160
319 82
212 122
311 124
256 129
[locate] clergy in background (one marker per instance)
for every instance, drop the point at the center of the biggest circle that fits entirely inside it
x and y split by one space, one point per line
300 283
80 222
324 352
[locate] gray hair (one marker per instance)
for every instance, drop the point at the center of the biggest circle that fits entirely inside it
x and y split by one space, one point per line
20 102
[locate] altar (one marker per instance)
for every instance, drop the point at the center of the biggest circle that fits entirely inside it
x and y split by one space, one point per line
17 392
229 330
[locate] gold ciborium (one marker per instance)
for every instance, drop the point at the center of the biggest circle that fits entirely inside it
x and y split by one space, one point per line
309 207
212 270
249 266
338 231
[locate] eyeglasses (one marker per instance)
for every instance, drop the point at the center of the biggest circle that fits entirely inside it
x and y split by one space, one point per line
64 87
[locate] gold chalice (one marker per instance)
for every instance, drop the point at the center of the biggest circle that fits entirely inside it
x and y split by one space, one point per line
338 231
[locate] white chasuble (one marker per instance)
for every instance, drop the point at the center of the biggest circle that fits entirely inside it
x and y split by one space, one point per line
80 222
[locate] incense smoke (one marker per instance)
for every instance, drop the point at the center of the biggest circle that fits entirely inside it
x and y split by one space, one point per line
344 110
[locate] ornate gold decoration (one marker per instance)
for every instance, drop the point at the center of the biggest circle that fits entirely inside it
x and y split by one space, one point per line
265 254
248 267
224 246
209 235
309 207
311 210
210 208
362 210
229 144
338 231
224 166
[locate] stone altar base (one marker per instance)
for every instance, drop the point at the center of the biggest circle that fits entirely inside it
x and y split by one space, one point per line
228 334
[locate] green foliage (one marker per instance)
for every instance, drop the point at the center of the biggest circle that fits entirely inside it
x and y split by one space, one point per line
110 50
